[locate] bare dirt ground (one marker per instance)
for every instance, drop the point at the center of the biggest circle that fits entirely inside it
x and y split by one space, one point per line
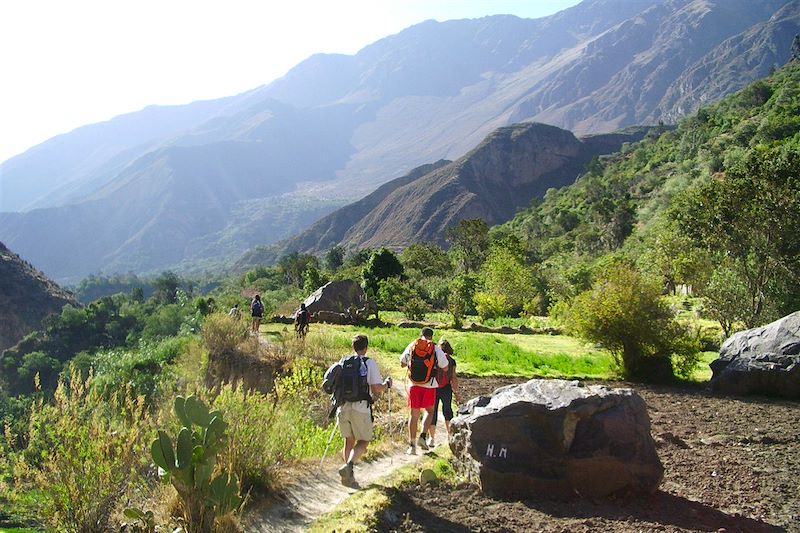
731 464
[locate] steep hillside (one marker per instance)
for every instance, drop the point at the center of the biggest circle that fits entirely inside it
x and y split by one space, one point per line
227 175
505 172
26 298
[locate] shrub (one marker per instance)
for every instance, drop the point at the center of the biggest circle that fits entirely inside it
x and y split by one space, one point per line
84 454
222 334
625 313
491 305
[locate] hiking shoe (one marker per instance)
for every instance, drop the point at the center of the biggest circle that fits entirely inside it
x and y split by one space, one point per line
422 444
411 450
346 473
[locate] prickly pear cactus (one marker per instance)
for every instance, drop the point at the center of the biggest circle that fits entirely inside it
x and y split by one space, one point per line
189 464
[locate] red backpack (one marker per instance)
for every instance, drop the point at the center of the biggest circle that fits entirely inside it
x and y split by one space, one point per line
423 361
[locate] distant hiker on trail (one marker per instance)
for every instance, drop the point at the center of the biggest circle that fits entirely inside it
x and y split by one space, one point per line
355 382
301 320
448 387
235 313
257 312
422 357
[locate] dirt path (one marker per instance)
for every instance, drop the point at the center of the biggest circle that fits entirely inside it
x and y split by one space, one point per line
317 492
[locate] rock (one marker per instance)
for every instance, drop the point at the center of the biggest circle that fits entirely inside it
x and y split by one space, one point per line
763 360
339 302
427 477
556 439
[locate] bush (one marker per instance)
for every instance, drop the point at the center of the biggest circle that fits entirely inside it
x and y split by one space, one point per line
84 454
625 313
491 305
222 334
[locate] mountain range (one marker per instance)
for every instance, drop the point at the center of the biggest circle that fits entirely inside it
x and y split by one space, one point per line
187 186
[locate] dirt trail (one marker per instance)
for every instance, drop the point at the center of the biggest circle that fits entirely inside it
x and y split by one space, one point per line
317 492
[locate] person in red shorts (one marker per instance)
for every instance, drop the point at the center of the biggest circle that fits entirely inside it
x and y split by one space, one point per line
422 357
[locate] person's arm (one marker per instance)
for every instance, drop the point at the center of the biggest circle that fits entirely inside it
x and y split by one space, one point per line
441 359
377 386
406 357
454 385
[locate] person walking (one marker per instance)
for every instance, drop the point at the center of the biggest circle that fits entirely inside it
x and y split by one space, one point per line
421 358
235 313
301 320
355 382
256 313
448 388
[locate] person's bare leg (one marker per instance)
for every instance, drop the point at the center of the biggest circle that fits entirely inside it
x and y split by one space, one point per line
349 443
357 451
427 418
413 421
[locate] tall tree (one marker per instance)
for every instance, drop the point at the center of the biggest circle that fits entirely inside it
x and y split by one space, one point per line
469 243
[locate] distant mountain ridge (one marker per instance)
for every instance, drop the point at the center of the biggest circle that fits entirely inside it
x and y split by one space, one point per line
511 167
26 298
202 183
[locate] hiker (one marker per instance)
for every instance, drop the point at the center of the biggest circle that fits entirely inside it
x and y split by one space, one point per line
257 313
301 320
355 383
422 357
448 388
235 313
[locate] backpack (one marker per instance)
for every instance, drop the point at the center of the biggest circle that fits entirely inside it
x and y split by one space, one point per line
422 362
347 380
257 307
443 375
301 317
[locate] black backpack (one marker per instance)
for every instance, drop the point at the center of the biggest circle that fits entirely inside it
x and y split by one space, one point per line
302 317
347 380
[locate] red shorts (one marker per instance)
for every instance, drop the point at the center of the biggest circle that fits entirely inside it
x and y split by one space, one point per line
421 397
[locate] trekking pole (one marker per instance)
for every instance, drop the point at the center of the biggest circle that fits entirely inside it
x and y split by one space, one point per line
330 439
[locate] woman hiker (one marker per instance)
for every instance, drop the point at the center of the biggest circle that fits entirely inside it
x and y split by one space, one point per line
448 388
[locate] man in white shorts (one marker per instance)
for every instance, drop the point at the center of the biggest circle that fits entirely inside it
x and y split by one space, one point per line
358 385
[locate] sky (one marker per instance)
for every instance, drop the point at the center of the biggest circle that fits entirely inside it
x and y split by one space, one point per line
68 63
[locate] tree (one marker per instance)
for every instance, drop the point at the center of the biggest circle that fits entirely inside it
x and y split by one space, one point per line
166 287
470 243
624 312
382 264
294 265
313 279
334 258
508 285
426 260
750 218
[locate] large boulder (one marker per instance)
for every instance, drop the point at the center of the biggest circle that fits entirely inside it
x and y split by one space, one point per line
763 360
556 439
340 302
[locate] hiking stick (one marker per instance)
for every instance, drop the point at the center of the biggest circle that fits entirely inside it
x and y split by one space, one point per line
330 439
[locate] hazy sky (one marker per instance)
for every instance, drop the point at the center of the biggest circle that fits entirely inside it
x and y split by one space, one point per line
67 63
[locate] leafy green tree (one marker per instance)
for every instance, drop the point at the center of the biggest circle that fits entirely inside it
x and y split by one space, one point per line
624 312
313 279
334 258
383 264
165 288
426 260
508 285
469 243
294 265
749 216
461 297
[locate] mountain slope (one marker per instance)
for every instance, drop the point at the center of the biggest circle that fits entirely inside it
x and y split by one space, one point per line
26 298
505 172
336 127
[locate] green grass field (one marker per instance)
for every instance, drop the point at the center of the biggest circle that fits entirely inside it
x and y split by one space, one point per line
483 354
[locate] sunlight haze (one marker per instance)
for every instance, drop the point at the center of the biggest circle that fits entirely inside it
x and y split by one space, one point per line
68 64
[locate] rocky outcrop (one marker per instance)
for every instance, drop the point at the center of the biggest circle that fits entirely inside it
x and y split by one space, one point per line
763 360
340 302
556 439
26 298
